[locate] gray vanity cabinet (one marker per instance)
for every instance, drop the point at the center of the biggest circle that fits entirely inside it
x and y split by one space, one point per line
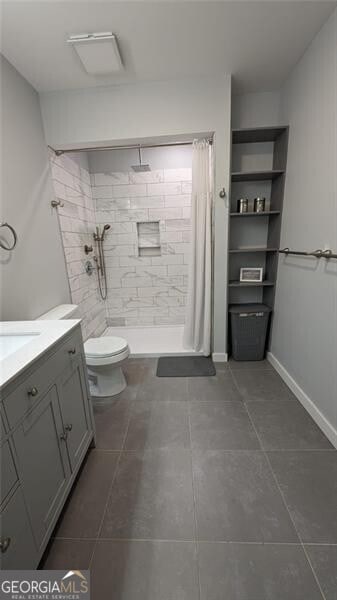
43 462
18 547
47 427
77 427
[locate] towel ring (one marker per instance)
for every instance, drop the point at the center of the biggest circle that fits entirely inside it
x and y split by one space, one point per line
15 237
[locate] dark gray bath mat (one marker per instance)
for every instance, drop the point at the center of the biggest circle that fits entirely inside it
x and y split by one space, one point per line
185 366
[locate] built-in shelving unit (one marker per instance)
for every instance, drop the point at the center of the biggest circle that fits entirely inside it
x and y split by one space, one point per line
259 157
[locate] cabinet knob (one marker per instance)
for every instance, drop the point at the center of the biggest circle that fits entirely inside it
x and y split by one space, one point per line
68 427
64 436
4 544
72 351
33 391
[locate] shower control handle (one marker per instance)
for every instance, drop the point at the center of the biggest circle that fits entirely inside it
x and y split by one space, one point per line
33 391
72 351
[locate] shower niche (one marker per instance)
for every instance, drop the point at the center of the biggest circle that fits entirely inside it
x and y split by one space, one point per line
148 236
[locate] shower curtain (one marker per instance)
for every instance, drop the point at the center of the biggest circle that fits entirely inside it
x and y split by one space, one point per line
197 332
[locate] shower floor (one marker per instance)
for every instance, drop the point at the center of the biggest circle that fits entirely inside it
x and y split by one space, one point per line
153 341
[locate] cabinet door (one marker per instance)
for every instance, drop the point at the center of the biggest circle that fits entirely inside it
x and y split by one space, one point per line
18 550
75 411
43 463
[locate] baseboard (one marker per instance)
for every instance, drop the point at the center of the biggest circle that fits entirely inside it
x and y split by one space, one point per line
220 357
307 403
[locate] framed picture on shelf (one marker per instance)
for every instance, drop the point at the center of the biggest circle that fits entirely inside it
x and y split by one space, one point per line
251 274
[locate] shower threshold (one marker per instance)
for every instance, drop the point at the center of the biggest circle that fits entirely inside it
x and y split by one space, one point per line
153 341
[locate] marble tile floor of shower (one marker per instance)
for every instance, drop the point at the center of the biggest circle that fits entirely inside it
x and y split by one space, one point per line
204 489
153 341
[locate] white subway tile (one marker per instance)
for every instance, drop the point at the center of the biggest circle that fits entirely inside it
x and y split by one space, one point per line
102 191
186 212
153 291
127 250
184 174
178 224
160 271
137 282
178 201
111 178
126 238
119 273
125 292
171 236
129 261
168 259
132 215
152 202
153 311
163 189
156 176
165 213
177 270
128 191
186 188
139 321
170 320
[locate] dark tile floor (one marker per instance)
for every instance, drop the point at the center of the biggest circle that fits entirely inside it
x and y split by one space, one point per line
219 488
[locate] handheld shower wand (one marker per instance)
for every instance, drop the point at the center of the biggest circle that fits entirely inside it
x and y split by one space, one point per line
102 281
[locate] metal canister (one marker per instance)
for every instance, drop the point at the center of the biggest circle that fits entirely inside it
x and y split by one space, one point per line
243 205
259 204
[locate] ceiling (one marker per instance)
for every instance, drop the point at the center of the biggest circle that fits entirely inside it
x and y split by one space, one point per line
258 42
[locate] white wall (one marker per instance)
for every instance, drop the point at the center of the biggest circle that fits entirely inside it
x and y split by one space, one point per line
33 275
304 339
152 110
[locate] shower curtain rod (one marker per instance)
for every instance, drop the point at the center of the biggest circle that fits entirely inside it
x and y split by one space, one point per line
128 147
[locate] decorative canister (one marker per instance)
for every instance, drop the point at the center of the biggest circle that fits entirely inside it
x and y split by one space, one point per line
243 205
259 204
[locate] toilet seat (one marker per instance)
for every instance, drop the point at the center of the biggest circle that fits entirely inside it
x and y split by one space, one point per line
105 350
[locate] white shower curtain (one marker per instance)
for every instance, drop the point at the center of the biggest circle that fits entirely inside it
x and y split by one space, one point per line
197 332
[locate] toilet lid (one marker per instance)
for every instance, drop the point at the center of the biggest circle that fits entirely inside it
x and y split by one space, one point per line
104 346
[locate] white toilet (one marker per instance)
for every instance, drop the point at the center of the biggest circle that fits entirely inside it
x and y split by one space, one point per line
104 356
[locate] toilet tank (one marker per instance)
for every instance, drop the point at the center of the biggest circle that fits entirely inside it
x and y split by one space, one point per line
63 311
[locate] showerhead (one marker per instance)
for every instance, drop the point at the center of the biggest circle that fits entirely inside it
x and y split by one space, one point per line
141 168
105 228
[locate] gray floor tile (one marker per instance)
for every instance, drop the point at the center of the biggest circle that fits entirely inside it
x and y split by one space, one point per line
83 512
144 571
221 366
255 572
261 385
152 497
158 425
286 425
237 498
308 480
163 388
324 562
221 425
112 419
66 554
220 387
252 365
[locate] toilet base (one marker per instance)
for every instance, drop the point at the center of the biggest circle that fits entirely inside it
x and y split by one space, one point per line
105 381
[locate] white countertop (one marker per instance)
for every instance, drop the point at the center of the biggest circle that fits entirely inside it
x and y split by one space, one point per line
43 335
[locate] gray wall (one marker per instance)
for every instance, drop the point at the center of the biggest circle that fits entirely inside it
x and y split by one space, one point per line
33 276
304 339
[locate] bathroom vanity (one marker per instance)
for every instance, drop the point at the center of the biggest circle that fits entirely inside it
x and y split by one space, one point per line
46 428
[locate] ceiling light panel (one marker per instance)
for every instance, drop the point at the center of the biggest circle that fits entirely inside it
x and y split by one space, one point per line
98 52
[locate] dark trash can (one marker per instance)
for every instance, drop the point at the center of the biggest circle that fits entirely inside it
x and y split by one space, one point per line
249 325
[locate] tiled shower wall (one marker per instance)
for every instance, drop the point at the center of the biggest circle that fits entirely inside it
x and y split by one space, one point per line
72 187
146 290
